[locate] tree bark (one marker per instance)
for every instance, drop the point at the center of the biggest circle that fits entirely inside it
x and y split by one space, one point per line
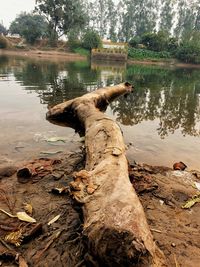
114 221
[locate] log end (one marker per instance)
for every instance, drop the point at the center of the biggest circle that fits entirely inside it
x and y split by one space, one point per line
120 248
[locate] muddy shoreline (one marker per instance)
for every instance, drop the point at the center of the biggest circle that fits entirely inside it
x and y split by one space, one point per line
161 190
41 54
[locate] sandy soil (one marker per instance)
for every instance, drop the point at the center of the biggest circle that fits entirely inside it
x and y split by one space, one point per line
50 54
161 190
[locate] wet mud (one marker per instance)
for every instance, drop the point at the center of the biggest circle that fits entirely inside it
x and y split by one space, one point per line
56 238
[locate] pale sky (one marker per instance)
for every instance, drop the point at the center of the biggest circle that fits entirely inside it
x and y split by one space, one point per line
9 9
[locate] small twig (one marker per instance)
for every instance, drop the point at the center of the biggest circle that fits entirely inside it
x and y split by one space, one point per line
5 244
7 213
176 262
79 264
157 231
73 240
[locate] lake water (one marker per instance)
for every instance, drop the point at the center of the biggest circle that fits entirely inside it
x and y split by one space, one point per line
160 120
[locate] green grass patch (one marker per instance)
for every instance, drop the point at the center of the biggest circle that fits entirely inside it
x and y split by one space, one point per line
81 51
140 54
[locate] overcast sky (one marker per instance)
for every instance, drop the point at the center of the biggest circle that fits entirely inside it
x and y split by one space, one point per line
9 9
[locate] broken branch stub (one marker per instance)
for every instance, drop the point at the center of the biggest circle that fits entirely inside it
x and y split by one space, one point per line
114 221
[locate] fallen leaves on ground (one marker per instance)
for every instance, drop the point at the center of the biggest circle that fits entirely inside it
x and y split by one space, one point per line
39 167
190 202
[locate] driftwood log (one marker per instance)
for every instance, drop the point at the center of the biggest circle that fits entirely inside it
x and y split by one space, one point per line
114 221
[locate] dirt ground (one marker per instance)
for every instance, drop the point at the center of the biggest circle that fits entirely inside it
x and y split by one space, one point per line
40 54
161 190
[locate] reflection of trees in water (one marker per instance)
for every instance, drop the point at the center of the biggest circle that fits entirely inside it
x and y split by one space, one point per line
172 96
4 66
55 82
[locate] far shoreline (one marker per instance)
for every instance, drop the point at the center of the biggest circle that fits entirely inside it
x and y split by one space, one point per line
69 56
41 54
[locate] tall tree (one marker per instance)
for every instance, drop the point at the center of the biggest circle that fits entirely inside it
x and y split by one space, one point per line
124 19
138 17
186 19
112 20
103 17
29 26
197 19
145 16
62 16
166 16
127 20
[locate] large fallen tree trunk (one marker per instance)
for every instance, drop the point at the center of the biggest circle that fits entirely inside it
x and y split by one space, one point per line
114 220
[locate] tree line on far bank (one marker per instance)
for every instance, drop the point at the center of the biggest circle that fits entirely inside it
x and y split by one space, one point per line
85 23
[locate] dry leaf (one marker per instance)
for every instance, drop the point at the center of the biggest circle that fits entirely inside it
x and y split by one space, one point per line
14 238
190 202
28 208
23 216
54 219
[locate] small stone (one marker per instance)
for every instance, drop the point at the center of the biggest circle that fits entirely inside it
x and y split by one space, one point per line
173 245
161 202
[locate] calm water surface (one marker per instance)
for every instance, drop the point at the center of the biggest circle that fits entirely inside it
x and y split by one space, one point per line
160 120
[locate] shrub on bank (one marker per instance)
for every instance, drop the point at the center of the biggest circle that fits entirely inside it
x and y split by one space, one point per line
189 53
136 53
81 51
3 42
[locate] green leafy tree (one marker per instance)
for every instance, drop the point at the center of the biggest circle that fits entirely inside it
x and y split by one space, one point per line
172 45
156 41
189 52
135 41
29 26
91 39
3 30
62 16
73 41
